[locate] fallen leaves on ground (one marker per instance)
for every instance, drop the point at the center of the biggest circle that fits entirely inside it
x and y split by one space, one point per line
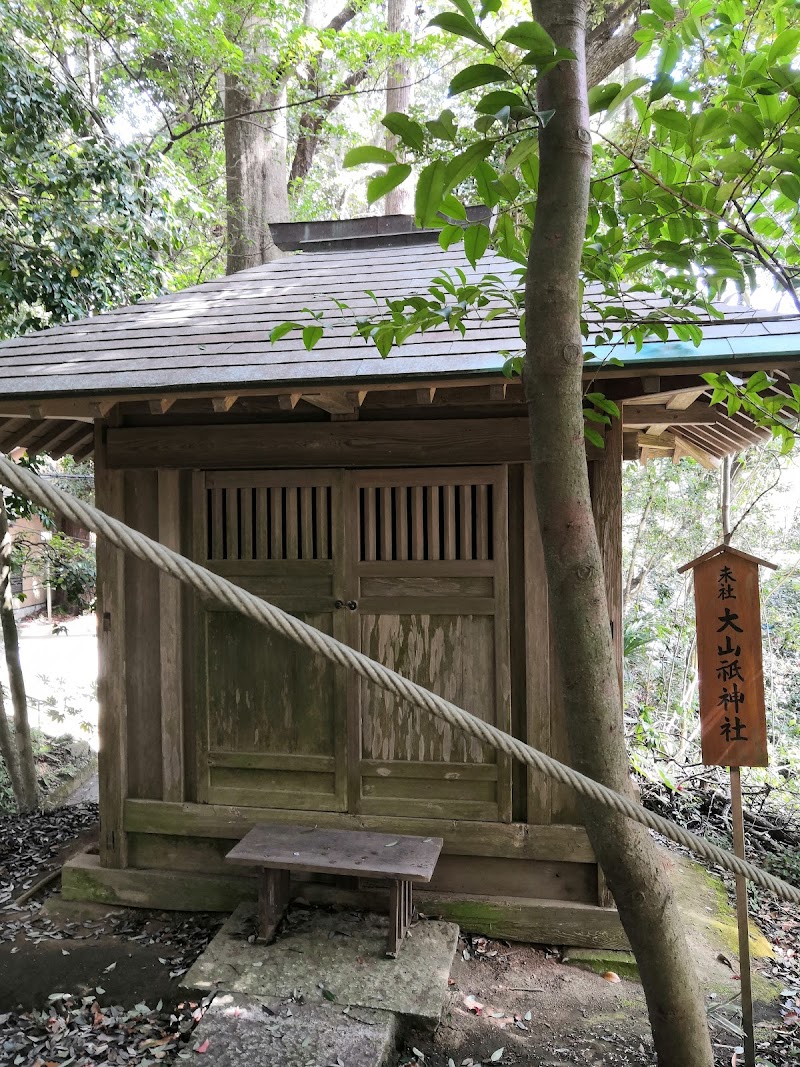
84 1033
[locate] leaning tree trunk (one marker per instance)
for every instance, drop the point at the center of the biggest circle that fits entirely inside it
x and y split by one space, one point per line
8 752
627 854
399 17
28 795
255 173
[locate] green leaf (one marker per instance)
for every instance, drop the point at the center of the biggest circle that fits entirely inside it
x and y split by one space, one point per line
600 96
382 184
311 334
460 27
747 128
520 152
734 163
498 99
282 329
476 241
532 37
465 8
789 185
475 76
600 400
368 153
485 176
453 208
625 92
463 165
430 192
409 132
664 9
784 44
672 120
784 161
450 235
662 84
593 436
444 128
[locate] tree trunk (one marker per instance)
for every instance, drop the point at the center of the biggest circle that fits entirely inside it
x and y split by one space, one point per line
28 795
255 173
8 752
399 19
628 856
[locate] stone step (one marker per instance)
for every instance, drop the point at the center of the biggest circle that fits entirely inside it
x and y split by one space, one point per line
239 1029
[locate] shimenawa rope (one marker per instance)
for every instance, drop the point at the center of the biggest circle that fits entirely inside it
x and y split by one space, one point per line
214 587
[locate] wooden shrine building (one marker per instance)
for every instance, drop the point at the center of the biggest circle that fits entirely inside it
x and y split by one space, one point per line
388 502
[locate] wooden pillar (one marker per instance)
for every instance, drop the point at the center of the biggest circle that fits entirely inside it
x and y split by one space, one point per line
171 640
112 699
607 508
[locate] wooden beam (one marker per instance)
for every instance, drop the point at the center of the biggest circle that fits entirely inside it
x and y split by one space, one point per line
100 409
84 448
660 443
336 403
68 441
221 404
425 396
497 392
635 415
162 406
548 842
413 443
651 383
288 401
683 447
682 401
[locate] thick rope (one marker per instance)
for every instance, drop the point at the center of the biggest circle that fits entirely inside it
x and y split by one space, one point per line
213 587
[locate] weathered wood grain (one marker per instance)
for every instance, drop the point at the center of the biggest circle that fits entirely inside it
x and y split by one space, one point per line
323 851
416 443
111 684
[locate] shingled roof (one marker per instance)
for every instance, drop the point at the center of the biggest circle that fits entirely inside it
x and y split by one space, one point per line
213 339
216 334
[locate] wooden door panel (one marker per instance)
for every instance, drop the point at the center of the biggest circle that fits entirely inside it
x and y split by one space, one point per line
275 718
452 655
431 574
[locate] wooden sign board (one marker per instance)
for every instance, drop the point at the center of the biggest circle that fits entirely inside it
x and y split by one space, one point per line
732 715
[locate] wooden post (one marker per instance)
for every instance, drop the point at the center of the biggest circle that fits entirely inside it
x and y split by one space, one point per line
742 919
171 642
111 686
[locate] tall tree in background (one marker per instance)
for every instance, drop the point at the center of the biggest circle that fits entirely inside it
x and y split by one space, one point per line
399 20
256 136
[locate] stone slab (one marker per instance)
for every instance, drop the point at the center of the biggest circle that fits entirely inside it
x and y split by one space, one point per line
244 1030
332 958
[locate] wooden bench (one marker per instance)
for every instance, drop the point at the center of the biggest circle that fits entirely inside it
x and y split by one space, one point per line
279 850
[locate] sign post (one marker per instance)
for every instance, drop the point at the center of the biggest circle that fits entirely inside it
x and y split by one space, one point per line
733 723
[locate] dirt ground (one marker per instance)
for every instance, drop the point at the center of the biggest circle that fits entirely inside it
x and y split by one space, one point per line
524 1001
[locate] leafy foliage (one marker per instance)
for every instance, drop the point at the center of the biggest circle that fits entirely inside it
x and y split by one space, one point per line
694 195
84 221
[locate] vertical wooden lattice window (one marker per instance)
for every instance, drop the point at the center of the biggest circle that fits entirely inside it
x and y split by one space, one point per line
269 523
426 522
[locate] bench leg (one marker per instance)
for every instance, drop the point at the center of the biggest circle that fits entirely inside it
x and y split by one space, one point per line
400 911
273 897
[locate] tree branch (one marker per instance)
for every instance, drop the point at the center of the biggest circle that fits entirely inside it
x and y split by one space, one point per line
310 125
